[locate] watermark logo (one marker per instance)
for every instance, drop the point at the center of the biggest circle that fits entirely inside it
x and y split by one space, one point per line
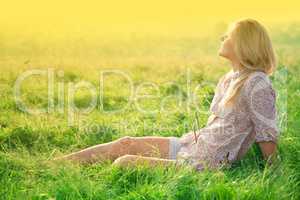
61 95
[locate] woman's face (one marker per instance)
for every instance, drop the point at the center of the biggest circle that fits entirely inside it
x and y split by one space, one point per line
226 50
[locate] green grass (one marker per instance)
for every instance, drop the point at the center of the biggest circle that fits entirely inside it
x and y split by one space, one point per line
28 142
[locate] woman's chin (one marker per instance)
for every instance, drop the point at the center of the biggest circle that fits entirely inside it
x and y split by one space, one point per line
222 54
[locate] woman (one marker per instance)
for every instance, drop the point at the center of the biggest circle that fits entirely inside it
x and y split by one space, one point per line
242 112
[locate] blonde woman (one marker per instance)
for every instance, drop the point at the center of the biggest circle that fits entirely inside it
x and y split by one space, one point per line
242 112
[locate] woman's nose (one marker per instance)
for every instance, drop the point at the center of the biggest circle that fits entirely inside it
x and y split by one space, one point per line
223 38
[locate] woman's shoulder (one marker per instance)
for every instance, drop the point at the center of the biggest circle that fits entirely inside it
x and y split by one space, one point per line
260 74
258 81
258 78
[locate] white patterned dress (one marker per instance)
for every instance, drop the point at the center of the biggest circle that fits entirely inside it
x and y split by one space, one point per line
230 132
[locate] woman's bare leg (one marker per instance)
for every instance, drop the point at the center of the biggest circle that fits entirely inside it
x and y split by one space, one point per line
133 160
150 146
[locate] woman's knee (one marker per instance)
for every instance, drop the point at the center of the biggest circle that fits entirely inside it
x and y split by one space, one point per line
124 145
126 140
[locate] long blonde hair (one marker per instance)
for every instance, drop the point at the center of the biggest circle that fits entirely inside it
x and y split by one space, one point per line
253 48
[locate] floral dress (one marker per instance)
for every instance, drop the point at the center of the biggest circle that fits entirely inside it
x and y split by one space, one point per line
230 131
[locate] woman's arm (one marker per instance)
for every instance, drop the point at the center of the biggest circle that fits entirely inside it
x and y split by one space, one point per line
268 150
260 98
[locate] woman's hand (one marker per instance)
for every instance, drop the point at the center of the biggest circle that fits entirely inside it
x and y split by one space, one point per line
268 150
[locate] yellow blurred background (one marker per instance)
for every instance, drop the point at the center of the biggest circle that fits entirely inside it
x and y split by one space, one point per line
132 16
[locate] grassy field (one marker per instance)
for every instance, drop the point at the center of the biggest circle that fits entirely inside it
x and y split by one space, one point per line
157 65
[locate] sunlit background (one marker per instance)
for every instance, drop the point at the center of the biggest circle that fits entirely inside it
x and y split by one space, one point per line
115 17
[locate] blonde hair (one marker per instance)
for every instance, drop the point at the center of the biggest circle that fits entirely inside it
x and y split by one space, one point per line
253 48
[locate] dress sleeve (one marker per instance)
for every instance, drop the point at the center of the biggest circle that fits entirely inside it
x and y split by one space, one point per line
261 103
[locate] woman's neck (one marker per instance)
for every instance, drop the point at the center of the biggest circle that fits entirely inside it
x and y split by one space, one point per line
236 66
